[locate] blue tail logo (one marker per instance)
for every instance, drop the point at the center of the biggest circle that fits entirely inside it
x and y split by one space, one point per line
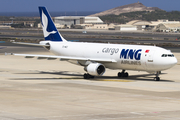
45 25
50 31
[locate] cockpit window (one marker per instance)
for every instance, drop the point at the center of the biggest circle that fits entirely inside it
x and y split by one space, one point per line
167 55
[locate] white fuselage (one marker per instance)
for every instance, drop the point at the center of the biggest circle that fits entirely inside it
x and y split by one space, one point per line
128 57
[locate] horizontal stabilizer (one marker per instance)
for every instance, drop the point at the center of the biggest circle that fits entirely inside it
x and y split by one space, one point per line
32 44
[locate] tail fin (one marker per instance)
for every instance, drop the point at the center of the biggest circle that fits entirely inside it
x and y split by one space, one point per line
49 29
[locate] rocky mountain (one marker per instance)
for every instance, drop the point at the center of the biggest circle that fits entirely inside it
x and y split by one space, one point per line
126 9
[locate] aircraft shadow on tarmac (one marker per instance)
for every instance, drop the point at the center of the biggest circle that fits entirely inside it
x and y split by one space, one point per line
73 75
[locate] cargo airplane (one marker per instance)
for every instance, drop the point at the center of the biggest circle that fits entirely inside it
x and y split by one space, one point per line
96 57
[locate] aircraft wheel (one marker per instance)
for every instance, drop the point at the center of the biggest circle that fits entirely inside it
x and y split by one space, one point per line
126 74
157 79
91 76
119 74
85 76
88 76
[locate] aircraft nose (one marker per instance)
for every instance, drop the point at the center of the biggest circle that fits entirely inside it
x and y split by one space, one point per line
173 61
167 63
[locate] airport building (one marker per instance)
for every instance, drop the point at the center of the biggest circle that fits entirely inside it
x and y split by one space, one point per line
166 25
98 26
133 25
9 23
159 25
125 27
77 20
140 24
163 25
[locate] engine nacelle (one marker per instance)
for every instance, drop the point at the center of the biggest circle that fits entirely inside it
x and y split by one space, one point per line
95 69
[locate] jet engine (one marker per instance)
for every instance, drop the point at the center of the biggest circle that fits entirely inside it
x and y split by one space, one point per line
95 69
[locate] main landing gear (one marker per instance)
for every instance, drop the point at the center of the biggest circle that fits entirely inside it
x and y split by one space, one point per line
123 74
157 76
88 76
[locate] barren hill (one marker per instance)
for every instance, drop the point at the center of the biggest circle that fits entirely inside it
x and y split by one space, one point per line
126 8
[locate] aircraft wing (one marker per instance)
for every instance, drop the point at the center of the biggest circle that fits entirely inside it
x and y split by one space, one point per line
52 57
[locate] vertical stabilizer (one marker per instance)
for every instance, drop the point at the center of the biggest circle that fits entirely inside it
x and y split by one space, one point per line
49 29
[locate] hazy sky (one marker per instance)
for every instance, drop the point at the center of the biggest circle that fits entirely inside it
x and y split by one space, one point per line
81 5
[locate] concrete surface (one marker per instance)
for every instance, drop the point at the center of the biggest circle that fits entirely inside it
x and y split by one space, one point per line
32 89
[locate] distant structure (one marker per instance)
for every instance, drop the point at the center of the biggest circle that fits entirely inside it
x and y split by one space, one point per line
159 26
165 25
8 23
77 20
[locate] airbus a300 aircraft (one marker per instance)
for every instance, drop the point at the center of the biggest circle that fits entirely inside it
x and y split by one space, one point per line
96 57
